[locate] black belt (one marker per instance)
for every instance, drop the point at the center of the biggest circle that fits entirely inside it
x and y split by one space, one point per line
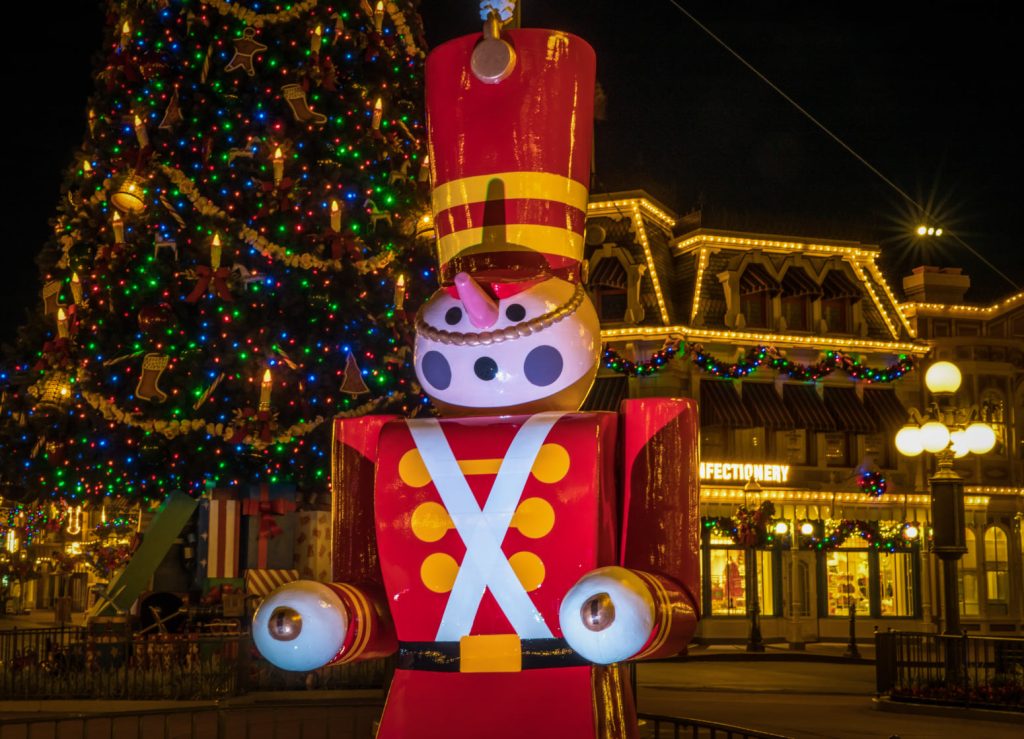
443 656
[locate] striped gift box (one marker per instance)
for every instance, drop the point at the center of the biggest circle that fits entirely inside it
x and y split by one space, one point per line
263 582
220 528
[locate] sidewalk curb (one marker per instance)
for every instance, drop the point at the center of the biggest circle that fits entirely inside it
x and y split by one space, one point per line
773 657
926 709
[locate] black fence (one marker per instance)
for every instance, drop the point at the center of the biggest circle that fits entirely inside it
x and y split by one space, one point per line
671 727
114 663
963 670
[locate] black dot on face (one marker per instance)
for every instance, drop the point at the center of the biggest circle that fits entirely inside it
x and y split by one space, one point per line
485 368
515 312
436 370
453 316
543 365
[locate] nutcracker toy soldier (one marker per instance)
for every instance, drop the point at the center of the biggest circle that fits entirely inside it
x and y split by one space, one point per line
515 552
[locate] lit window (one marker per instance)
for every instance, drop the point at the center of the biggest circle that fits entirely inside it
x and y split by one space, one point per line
726 574
967 573
848 579
997 570
896 584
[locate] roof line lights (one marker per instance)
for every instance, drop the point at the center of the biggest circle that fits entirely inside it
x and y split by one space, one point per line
813 342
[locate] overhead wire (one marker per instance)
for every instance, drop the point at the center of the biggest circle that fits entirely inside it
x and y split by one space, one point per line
827 131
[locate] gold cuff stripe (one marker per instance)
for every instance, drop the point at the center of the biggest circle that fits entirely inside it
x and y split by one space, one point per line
517 185
362 618
525 237
664 613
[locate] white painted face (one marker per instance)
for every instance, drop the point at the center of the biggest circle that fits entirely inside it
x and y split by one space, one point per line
550 369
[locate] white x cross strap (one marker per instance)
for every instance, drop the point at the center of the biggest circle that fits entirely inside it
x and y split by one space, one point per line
483 531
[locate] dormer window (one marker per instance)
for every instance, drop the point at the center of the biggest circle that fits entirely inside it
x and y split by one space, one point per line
798 290
756 287
837 299
608 289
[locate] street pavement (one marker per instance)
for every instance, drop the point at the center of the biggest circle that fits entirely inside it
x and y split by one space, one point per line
796 698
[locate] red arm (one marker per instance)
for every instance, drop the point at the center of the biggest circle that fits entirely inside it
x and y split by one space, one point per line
660 517
305 624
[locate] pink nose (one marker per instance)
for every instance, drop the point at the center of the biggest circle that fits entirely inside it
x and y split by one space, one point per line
482 309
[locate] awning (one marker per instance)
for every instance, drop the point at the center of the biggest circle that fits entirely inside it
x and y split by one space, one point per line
848 411
765 406
807 409
796 283
721 406
837 285
607 393
608 273
756 280
884 406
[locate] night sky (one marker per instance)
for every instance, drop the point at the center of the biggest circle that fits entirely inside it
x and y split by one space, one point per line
924 91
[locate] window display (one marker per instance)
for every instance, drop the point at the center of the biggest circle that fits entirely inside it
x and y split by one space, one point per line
968 574
726 572
895 584
848 579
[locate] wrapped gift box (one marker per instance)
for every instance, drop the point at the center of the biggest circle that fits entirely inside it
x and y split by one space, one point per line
268 522
219 536
261 583
313 545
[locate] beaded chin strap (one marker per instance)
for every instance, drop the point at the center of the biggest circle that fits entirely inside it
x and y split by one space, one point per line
519 330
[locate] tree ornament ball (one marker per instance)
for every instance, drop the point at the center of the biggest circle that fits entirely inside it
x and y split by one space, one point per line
155 320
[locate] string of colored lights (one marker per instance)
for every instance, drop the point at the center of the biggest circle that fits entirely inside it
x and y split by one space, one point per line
754 359
244 201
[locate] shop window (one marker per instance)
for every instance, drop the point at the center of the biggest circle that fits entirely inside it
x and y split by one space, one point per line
848 580
997 571
714 442
877 447
797 312
993 412
837 449
896 584
967 573
794 445
752 444
837 314
726 572
754 308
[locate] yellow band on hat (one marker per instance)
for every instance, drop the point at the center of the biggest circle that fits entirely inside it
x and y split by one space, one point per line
523 237
517 185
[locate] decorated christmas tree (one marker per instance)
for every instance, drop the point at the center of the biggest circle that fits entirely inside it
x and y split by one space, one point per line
234 250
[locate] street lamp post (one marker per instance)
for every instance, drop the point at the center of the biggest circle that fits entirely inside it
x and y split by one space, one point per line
754 642
949 432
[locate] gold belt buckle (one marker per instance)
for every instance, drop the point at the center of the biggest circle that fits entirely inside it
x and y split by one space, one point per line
490 653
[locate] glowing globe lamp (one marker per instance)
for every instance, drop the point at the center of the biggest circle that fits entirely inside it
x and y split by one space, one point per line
980 438
943 378
934 436
781 528
958 439
911 531
807 528
909 442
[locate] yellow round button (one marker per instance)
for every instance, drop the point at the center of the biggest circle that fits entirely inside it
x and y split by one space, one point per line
528 568
551 464
411 469
430 521
534 518
438 572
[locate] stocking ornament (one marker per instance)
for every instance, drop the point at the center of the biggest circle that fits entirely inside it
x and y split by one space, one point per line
295 96
153 365
51 297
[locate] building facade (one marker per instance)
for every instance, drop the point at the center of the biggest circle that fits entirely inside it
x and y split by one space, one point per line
777 338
